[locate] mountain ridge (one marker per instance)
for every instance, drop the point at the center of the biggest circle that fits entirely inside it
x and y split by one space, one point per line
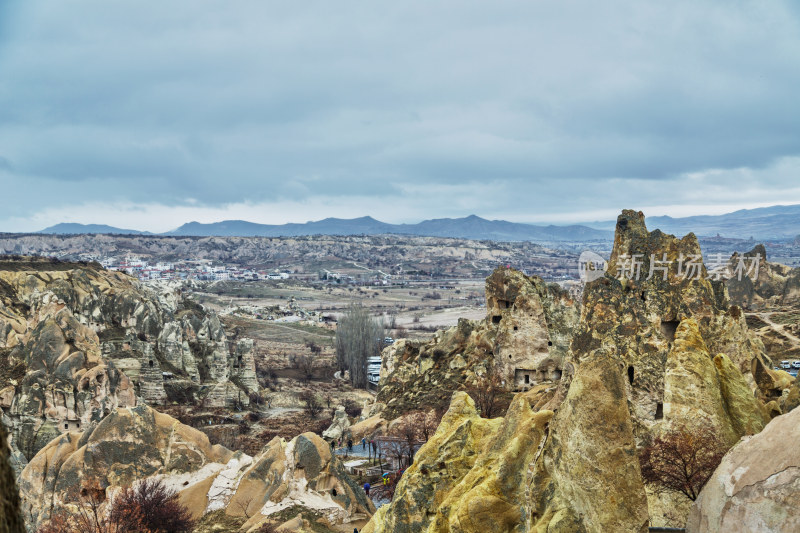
764 223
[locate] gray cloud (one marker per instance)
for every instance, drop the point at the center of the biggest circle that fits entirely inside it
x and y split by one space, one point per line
559 106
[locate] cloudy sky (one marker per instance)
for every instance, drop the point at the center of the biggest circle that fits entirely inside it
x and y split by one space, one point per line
146 115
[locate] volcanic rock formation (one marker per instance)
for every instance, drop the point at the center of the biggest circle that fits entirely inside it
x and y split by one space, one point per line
137 443
523 340
77 341
655 347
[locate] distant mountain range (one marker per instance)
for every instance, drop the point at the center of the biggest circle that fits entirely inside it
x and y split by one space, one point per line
777 222
471 227
766 223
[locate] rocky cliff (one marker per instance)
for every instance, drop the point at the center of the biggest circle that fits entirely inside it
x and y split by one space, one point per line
137 443
77 341
654 347
769 284
523 340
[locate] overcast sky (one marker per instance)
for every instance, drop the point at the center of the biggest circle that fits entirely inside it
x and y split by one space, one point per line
146 115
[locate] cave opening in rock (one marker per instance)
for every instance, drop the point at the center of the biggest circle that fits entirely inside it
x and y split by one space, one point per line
496 319
668 329
630 375
527 379
659 411
151 363
549 343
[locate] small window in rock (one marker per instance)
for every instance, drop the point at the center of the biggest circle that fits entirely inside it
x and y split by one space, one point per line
515 328
630 375
151 363
549 343
668 329
659 411
527 379
496 319
333 493
240 358
66 426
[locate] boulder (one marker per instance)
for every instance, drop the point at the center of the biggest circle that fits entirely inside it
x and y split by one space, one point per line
340 426
755 487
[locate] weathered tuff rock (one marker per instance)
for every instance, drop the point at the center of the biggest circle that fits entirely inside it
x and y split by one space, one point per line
685 350
77 341
129 444
10 519
755 487
529 471
775 284
136 443
340 425
523 340
647 354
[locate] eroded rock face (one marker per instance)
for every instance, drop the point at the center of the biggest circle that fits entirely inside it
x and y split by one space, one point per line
528 471
774 284
650 351
523 340
755 487
10 520
137 443
127 445
77 342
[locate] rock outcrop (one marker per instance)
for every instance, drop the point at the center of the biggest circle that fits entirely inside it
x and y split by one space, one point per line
755 487
10 518
78 341
340 426
763 283
137 443
127 445
658 344
523 340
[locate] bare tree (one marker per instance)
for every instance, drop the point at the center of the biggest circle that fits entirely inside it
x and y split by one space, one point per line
682 459
358 336
487 394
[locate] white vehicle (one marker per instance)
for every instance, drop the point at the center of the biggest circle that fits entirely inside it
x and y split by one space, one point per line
796 364
786 364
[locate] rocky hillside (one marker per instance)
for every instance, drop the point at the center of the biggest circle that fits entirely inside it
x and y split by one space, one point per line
649 353
132 444
775 284
523 341
438 255
77 341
